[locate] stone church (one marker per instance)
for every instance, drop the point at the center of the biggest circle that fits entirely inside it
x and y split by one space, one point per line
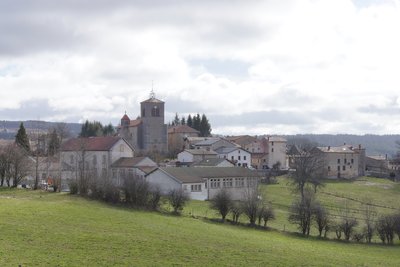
147 133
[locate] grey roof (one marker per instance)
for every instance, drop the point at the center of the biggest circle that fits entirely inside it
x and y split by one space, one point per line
226 150
196 175
208 142
200 152
276 139
209 162
337 149
127 162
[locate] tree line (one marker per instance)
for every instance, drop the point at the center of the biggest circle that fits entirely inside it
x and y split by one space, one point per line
197 122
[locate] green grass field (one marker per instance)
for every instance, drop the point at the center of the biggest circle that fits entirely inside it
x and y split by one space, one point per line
50 229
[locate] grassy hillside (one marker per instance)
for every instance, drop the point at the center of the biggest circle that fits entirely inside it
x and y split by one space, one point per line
48 229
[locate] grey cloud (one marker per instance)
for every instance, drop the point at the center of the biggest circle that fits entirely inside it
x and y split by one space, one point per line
391 109
262 117
34 109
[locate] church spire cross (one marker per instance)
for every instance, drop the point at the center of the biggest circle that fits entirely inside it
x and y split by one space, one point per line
152 94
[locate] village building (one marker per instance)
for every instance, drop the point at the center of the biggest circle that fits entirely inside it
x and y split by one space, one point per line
205 183
344 161
131 168
189 156
92 156
178 138
236 155
277 147
147 133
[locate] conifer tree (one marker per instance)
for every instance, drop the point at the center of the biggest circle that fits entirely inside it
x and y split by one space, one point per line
189 121
183 121
22 138
196 122
176 120
54 143
205 127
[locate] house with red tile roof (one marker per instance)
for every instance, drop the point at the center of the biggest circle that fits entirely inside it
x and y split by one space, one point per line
92 156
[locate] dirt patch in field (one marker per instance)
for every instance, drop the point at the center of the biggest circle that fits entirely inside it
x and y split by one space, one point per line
384 186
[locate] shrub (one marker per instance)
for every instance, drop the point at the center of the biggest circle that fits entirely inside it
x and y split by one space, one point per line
236 210
222 202
73 187
177 199
154 198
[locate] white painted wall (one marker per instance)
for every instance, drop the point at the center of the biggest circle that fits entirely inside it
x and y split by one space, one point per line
239 156
185 156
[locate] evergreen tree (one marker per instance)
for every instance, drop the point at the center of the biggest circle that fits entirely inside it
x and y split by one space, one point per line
94 128
183 121
189 121
176 120
54 143
108 130
205 127
22 138
196 122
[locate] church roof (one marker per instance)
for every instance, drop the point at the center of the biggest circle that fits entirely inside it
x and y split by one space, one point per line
125 118
103 143
135 123
152 100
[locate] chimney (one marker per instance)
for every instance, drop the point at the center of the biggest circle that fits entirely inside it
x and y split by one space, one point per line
329 148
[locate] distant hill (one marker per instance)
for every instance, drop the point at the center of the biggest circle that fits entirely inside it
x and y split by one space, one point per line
374 144
8 129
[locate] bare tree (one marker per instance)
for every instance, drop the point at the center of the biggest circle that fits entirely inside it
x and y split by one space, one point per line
385 228
348 223
266 213
19 164
236 210
251 204
222 202
309 168
321 218
369 219
301 212
177 198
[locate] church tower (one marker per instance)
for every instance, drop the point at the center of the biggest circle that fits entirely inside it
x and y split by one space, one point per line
154 130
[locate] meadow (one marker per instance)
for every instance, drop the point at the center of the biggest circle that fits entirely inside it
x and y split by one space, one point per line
51 229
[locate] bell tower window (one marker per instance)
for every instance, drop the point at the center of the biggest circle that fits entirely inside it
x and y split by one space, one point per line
155 112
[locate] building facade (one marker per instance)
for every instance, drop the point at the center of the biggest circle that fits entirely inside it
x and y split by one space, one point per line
147 133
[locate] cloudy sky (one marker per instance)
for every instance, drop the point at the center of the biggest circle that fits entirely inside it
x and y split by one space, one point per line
256 67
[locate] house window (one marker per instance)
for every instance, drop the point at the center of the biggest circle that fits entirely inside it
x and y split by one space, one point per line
272 149
345 161
352 161
214 183
272 143
195 187
227 182
239 182
338 161
329 168
244 157
238 157
232 158
344 167
338 168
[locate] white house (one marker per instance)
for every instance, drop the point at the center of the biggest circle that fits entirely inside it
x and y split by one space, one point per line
92 154
195 155
237 155
204 183
131 167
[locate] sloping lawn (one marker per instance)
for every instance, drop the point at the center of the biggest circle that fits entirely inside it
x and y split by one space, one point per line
49 229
